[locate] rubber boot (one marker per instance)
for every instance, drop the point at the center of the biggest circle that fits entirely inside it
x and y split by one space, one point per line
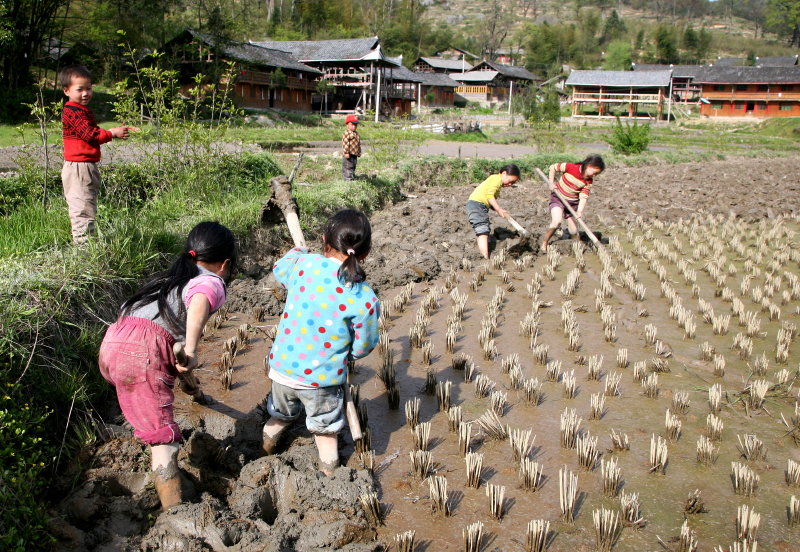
169 491
546 238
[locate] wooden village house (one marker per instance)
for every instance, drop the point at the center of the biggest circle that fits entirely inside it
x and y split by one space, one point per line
492 83
682 85
633 94
436 90
358 69
730 91
441 65
265 77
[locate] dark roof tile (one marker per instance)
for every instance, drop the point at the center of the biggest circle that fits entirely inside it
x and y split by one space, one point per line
744 75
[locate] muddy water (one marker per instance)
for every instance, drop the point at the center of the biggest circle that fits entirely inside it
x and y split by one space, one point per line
405 500
250 384
661 496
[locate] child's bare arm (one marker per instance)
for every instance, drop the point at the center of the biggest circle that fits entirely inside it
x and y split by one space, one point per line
496 206
196 318
552 183
581 205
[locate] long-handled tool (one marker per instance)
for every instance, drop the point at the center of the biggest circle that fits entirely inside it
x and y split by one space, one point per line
189 383
282 197
569 208
517 226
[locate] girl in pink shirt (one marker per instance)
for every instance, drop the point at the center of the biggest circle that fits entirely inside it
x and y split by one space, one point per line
136 355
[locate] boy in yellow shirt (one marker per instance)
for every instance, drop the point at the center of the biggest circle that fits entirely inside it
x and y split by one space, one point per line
484 197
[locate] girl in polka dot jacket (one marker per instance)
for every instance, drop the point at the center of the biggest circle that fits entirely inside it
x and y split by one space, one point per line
331 316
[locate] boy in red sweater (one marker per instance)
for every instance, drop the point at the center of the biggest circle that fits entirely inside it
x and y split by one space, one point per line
82 138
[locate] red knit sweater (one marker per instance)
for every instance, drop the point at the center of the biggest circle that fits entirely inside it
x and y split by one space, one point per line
82 136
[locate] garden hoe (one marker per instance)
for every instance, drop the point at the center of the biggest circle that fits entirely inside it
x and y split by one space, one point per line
567 206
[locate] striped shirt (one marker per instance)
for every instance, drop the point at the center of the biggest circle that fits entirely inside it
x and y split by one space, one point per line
572 184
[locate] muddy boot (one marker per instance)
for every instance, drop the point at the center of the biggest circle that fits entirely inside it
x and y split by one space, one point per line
546 238
169 491
576 237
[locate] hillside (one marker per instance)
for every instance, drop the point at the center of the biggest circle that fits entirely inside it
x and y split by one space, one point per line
474 20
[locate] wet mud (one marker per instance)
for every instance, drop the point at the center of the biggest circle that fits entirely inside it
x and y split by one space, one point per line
243 502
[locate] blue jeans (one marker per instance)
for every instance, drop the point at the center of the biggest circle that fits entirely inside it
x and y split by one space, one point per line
324 406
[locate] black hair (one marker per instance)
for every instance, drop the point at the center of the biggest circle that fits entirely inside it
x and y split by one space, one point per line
511 170
349 230
210 242
593 161
66 75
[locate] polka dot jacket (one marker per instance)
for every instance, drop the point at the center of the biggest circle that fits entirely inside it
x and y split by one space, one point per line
324 322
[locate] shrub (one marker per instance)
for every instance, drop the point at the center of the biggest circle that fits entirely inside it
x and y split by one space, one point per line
13 192
629 139
24 453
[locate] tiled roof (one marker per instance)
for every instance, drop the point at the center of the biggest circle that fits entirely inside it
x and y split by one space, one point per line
475 76
249 53
628 79
508 71
776 61
681 71
403 73
341 49
746 75
436 79
730 61
448 64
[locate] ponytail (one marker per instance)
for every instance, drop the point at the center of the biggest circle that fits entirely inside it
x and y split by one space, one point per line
209 242
349 232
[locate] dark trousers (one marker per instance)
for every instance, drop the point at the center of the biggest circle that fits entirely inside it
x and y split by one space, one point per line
349 167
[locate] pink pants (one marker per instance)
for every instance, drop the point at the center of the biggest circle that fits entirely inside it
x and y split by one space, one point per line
136 357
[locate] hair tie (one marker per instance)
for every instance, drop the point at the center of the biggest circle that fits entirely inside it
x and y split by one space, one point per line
351 252
193 253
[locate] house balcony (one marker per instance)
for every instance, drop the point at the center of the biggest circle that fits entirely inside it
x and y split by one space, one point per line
604 97
750 96
261 77
348 77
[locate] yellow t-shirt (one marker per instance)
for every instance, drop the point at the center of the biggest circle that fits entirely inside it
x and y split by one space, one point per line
486 189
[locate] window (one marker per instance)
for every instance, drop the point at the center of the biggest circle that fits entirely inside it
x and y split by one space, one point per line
738 105
786 87
787 107
761 107
763 87
719 87
716 105
741 87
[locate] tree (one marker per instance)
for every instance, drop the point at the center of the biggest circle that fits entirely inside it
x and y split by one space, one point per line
25 25
783 17
614 27
666 52
618 56
689 44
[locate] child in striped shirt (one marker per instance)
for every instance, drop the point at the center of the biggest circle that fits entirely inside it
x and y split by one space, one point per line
574 185
331 316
